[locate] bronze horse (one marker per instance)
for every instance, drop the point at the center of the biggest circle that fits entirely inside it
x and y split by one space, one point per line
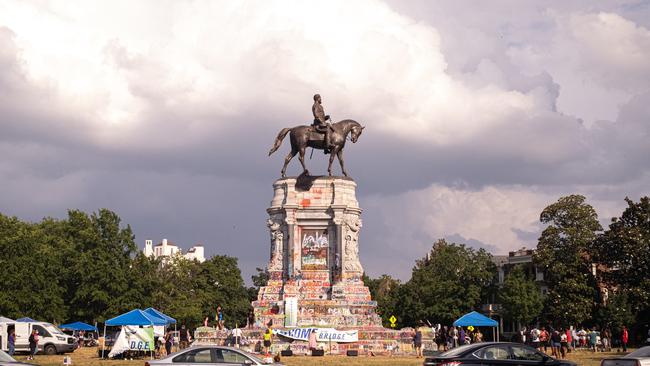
303 137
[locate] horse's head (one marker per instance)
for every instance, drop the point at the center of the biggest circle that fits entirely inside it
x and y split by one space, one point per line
356 132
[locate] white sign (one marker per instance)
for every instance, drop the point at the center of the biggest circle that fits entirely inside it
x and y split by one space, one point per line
322 334
290 312
133 338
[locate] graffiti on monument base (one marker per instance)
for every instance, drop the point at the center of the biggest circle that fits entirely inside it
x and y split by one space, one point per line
315 245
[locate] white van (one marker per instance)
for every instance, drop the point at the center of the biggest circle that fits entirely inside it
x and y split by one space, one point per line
51 339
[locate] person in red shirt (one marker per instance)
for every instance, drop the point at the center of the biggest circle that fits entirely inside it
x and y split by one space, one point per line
624 338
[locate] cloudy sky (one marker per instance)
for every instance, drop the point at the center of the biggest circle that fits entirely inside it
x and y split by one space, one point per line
479 114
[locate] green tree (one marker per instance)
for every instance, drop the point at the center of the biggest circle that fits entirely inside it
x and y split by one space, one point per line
451 281
260 279
624 251
30 280
520 297
103 266
386 291
563 252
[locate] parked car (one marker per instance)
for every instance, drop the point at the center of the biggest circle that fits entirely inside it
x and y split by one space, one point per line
6 360
207 355
494 353
640 357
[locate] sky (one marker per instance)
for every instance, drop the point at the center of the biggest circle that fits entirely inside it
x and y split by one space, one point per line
478 115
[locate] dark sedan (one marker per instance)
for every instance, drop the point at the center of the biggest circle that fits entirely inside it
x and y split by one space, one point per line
494 353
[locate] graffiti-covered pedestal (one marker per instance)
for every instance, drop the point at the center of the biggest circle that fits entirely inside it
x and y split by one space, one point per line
314 269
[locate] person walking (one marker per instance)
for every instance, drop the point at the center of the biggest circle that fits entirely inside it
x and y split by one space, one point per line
33 344
624 338
12 342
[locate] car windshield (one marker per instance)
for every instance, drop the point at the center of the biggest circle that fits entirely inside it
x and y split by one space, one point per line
457 351
5 357
641 352
53 329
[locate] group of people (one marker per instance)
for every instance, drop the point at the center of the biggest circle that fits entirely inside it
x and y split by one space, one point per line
563 340
450 337
33 343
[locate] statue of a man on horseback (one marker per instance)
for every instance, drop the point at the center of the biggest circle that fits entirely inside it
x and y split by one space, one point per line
320 135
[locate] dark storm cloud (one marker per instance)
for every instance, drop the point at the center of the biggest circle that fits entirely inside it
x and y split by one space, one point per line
189 163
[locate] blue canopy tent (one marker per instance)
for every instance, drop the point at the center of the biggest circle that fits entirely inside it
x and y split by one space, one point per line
25 320
79 326
133 317
476 319
160 314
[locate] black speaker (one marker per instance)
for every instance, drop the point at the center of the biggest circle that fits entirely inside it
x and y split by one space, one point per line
352 352
318 352
286 352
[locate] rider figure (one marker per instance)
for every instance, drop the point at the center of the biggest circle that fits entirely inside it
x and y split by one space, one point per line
320 121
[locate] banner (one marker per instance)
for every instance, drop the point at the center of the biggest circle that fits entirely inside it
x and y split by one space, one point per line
322 334
290 312
133 338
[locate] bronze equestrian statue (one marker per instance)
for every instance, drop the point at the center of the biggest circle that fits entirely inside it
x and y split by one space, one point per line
302 137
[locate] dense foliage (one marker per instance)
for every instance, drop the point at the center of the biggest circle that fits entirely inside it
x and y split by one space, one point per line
520 297
88 268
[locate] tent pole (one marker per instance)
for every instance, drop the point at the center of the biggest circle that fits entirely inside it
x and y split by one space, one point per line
104 343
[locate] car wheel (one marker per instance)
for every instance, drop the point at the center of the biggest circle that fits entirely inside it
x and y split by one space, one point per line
50 349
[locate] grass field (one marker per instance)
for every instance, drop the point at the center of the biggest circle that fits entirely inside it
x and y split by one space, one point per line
88 357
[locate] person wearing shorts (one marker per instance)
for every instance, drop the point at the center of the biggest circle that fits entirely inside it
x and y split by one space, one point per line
268 335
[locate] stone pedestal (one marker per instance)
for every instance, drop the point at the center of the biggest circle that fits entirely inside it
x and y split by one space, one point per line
314 225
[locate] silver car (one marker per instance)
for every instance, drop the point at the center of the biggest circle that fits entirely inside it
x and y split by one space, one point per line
640 357
6 360
207 355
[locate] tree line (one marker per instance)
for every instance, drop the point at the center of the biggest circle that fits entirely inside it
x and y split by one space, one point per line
595 276
88 267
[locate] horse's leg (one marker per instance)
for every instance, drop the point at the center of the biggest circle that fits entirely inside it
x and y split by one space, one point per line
340 155
332 154
290 156
302 160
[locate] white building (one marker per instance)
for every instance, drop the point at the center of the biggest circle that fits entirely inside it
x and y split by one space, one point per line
167 249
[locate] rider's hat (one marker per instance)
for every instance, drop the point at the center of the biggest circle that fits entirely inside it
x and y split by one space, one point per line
316 96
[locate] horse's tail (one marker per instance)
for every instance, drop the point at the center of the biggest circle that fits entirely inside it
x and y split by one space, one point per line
278 140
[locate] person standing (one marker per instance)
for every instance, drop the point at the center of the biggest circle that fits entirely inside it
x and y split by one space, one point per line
251 318
33 344
184 335
417 342
236 335
564 343
593 339
268 337
169 341
543 340
624 338
312 340
12 342
220 317
534 336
